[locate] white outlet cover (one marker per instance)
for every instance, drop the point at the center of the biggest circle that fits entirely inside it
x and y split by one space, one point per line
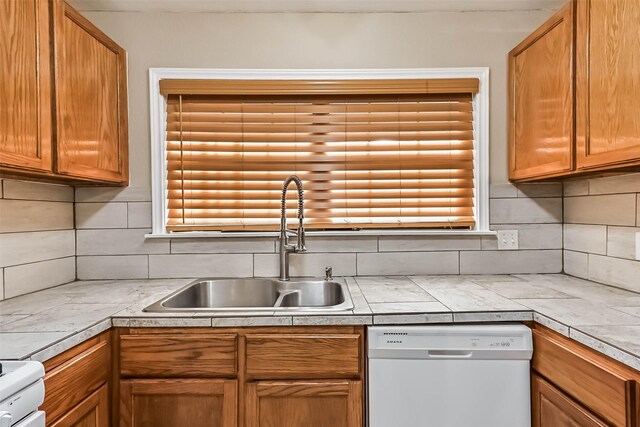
507 240
638 246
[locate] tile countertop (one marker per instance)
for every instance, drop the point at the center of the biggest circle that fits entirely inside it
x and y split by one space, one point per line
43 324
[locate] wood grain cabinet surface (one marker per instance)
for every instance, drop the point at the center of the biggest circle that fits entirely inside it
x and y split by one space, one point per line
541 100
91 412
76 383
304 404
249 377
91 99
574 93
553 408
607 83
178 355
605 388
275 356
63 86
25 86
178 402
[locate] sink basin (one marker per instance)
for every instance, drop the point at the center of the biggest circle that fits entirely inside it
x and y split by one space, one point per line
256 295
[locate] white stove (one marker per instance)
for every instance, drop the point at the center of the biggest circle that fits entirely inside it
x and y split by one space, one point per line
21 393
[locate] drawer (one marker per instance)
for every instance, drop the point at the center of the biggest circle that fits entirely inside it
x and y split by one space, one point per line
594 381
298 356
178 355
74 380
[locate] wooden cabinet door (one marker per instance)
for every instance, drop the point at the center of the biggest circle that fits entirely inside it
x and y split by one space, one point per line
304 404
552 408
91 100
91 412
25 85
179 402
607 83
541 133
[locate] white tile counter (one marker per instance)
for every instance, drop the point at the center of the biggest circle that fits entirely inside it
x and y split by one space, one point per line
43 324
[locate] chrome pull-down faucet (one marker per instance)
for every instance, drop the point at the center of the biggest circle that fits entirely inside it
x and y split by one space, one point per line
285 247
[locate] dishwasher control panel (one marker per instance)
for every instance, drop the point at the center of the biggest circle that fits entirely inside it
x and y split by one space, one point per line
477 341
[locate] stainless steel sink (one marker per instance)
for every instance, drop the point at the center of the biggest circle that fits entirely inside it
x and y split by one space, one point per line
257 295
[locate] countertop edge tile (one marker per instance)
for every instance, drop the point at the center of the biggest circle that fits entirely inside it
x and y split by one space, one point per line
607 349
70 341
550 323
404 319
497 316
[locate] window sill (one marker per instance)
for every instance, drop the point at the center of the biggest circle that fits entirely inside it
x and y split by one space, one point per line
273 234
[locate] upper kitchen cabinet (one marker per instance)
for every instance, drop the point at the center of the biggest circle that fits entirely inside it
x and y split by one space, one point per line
574 93
607 83
541 100
91 100
25 85
63 88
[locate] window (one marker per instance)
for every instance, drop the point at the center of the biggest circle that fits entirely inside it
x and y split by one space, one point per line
372 153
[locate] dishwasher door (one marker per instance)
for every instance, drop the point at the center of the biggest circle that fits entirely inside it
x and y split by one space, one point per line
449 376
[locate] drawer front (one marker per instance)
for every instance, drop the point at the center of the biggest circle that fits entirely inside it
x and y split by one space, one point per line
184 355
274 356
594 381
73 381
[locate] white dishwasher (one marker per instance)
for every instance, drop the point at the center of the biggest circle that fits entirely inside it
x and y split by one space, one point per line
449 376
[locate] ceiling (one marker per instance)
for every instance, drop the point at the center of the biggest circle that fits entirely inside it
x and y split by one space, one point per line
364 6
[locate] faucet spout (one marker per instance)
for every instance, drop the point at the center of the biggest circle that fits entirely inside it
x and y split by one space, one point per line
285 247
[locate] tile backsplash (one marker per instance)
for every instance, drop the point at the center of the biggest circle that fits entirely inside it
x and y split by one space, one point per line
601 221
37 237
587 227
111 224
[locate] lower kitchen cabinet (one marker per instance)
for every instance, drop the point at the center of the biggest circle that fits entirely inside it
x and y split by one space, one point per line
91 412
304 403
552 408
178 402
573 385
77 385
306 376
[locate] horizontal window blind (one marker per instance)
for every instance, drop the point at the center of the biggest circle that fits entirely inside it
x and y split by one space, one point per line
366 160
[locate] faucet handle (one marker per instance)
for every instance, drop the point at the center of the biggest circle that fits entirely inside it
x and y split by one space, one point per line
328 273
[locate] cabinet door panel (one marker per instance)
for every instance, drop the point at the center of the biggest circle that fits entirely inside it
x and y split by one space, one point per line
91 412
184 402
304 404
607 83
25 85
70 383
541 100
552 408
90 99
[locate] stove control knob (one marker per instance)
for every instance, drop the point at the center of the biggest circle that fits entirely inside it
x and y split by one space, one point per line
5 419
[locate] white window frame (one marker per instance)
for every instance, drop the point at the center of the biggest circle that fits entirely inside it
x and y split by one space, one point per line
158 111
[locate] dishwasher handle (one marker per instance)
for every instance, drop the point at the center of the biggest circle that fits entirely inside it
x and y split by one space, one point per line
450 354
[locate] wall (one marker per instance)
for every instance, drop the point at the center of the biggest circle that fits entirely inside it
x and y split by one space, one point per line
37 240
112 223
602 218
315 40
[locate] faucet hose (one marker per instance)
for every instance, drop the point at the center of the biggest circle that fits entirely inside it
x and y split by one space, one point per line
298 182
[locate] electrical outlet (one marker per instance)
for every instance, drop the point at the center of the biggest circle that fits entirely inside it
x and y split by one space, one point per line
638 246
507 240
